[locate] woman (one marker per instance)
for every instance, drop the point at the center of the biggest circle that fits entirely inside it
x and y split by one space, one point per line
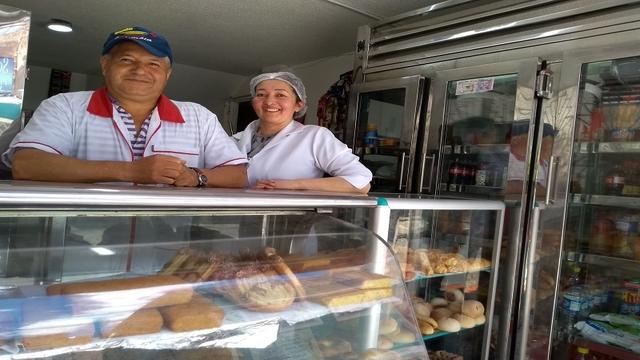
284 154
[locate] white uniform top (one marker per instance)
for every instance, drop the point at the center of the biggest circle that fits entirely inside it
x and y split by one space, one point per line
84 125
302 152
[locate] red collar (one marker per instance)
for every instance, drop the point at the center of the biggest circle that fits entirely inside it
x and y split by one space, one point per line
100 105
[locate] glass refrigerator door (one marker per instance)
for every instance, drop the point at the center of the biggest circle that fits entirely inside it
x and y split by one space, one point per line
481 124
598 302
382 129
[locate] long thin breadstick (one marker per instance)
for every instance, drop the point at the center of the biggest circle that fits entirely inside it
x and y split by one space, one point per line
283 269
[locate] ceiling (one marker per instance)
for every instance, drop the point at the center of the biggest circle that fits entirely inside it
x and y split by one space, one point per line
234 36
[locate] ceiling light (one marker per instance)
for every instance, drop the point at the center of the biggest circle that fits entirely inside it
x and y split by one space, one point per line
59 25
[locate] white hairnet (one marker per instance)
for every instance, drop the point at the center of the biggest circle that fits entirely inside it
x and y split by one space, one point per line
287 77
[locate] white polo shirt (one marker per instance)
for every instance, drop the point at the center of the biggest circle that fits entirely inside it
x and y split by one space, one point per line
85 125
302 152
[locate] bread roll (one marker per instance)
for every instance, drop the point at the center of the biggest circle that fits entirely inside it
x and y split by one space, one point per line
423 310
455 307
199 314
472 308
449 324
480 319
440 313
438 301
465 321
403 337
330 348
384 343
430 321
426 328
454 295
388 326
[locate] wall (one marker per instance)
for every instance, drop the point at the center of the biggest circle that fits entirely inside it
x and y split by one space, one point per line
206 87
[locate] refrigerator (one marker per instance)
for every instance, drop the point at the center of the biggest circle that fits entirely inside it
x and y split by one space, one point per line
532 103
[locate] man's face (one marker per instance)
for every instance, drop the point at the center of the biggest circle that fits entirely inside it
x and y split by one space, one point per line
133 74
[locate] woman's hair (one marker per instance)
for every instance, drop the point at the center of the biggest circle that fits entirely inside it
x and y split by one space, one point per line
287 77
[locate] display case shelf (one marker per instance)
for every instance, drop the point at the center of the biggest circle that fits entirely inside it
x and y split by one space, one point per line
603 260
607 200
438 334
432 276
608 147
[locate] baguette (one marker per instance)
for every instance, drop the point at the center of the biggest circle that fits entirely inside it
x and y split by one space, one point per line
199 314
145 321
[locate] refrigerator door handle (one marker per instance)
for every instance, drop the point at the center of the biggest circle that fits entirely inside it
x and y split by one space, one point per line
550 195
401 171
424 161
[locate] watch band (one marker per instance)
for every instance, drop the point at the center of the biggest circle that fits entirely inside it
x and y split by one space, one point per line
201 177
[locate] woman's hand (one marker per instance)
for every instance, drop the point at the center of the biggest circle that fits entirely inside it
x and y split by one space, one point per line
276 184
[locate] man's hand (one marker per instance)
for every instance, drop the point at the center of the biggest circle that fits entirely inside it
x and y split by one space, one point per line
158 169
187 178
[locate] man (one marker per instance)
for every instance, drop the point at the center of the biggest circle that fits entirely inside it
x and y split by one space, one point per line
128 131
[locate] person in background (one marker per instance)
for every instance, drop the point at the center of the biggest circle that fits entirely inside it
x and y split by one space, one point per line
284 154
127 131
518 138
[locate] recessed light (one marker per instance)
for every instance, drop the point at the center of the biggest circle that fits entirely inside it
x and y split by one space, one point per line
59 25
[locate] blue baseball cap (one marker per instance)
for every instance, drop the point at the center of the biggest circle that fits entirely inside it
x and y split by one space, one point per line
151 41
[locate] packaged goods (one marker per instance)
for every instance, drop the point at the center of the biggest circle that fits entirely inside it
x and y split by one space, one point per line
604 333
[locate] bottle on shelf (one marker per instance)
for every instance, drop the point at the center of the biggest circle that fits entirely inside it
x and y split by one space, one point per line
614 181
371 136
456 173
483 175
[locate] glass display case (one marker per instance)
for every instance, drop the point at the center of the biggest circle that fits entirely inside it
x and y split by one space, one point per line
448 252
115 272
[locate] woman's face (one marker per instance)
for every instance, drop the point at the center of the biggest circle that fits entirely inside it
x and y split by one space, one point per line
275 102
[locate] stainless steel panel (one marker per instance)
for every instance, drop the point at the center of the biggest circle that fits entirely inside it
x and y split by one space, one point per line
39 195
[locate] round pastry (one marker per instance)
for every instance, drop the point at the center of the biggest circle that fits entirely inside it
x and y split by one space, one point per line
455 307
384 343
449 324
472 308
438 301
422 309
465 321
388 326
454 295
480 319
403 337
440 313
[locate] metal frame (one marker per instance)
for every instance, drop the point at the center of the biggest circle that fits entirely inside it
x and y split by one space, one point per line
413 86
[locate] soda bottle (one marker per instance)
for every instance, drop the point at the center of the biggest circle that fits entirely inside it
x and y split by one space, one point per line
456 172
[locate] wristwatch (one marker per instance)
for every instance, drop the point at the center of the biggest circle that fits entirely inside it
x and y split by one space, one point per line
202 178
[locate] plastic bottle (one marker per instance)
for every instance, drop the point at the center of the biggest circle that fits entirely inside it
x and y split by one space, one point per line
456 172
371 136
614 181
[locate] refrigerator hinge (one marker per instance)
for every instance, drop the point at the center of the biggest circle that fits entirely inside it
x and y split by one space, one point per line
544 84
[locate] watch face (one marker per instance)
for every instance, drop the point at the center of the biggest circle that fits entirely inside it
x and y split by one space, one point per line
202 180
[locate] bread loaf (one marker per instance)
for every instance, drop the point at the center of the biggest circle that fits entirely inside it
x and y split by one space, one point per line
438 301
480 319
440 313
362 279
455 307
388 326
145 321
140 292
384 343
403 336
47 323
454 295
199 314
